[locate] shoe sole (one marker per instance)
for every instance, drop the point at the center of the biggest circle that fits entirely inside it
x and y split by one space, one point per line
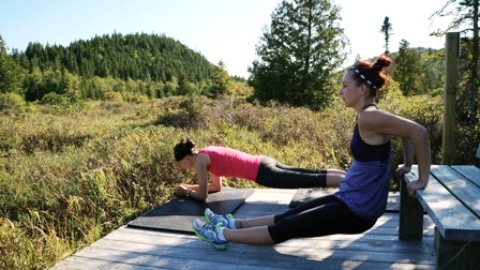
216 246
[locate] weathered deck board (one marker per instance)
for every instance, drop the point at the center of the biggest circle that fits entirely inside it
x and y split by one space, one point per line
463 188
379 248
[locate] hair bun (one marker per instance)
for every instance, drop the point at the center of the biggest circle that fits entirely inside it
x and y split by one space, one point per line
190 143
183 148
382 62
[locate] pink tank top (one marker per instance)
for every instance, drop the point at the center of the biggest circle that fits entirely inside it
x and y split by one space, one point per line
229 162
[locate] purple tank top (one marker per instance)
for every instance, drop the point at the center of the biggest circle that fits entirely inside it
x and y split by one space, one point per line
367 182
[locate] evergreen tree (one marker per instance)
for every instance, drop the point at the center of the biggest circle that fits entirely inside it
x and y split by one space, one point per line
433 67
408 71
387 32
299 54
10 72
221 81
34 85
182 84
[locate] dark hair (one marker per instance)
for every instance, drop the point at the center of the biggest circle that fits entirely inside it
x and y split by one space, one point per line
371 74
183 149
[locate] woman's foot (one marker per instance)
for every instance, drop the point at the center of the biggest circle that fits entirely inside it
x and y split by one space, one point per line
226 220
209 233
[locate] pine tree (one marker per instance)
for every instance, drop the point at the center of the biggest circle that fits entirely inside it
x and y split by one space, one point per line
387 31
299 54
10 72
408 71
221 81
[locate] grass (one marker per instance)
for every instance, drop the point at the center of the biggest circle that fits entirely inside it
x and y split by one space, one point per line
70 175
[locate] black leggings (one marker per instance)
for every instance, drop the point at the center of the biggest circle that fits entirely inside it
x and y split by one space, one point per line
322 216
275 174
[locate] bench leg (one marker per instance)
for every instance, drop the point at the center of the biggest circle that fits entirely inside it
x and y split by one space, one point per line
456 255
411 216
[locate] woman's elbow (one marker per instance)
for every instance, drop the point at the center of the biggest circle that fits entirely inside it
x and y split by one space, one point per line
213 188
217 189
424 134
421 134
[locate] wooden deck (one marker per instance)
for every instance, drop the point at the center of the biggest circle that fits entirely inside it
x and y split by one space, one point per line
379 248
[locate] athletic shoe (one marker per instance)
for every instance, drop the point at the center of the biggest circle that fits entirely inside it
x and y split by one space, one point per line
208 232
214 219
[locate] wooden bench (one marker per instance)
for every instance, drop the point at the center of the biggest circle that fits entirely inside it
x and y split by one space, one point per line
452 200
478 151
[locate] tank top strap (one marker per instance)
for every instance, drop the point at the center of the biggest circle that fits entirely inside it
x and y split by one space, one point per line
368 105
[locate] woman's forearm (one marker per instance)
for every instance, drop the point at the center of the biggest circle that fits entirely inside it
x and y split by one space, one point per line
421 143
408 152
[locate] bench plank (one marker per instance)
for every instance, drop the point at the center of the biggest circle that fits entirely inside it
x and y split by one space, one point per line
466 191
452 218
470 172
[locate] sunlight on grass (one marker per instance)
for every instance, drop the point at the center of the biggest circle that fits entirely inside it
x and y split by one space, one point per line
70 176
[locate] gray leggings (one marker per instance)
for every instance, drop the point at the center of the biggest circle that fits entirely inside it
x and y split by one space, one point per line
275 174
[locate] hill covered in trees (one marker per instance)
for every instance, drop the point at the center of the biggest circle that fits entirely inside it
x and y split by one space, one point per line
134 56
152 65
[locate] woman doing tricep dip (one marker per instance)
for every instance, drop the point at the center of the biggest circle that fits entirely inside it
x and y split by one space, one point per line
363 194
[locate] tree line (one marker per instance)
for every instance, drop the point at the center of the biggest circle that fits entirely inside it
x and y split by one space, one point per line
299 62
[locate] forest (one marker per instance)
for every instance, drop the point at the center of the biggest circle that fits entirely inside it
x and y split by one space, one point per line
137 66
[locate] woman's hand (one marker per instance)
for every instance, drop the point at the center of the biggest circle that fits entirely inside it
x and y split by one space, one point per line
181 190
401 171
413 186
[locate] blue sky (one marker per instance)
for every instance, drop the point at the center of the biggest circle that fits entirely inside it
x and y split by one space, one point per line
226 30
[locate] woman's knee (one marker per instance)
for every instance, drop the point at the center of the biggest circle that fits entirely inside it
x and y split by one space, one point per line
279 232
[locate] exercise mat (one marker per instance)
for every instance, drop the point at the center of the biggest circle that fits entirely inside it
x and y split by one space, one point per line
178 214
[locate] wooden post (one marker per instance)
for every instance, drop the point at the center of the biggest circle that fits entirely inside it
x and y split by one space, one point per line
456 255
411 216
452 52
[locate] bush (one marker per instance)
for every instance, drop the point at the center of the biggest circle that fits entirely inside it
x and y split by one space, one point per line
428 112
12 102
113 96
67 100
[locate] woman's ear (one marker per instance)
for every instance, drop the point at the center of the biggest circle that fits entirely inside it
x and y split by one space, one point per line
188 161
364 90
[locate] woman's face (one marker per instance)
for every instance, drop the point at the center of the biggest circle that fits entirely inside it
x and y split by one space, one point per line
186 163
350 92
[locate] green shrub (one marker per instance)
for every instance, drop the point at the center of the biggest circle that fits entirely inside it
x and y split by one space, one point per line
12 102
428 112
113 96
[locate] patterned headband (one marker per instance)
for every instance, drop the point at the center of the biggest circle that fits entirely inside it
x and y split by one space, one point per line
364 78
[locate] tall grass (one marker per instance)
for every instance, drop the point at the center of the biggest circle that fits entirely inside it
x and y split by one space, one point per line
70 176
